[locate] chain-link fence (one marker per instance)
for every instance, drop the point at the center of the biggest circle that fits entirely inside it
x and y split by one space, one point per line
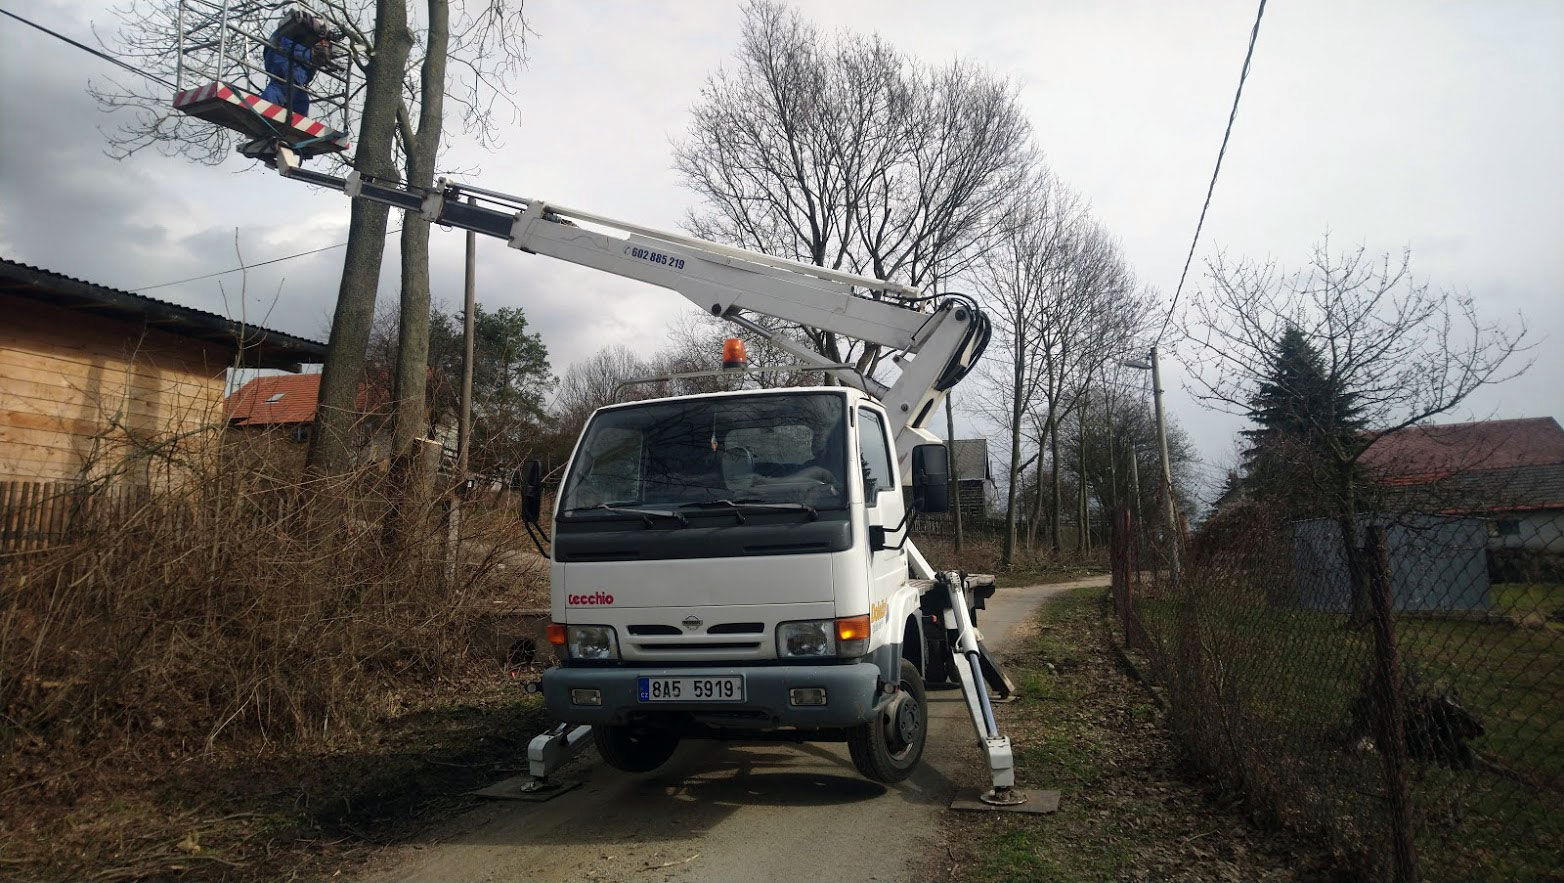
1391 682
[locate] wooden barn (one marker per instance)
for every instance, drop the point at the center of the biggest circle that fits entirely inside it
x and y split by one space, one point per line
90 376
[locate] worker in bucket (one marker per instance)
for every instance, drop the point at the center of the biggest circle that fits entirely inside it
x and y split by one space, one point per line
291 60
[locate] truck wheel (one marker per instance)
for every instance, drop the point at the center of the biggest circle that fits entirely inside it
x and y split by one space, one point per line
634 750
888 748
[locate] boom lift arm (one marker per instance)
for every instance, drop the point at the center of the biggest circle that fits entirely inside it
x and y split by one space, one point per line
936 348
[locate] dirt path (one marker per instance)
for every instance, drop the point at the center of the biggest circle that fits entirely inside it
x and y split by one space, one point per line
718 812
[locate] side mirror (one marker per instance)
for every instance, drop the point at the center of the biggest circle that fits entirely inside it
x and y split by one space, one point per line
531 491
930 479
877 540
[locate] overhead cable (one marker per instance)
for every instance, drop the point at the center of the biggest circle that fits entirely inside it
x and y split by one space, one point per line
237 269
1243 75
85 48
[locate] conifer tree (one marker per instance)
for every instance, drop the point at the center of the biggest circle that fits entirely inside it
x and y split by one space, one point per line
1304 418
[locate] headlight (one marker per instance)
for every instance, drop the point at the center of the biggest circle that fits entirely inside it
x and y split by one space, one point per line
824 637
809 638
592 642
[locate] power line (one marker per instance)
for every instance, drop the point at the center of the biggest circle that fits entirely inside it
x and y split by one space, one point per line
85 48
1254 33
288 257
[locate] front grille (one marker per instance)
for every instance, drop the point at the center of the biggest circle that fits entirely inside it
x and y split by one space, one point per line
647 630
737 628
683 646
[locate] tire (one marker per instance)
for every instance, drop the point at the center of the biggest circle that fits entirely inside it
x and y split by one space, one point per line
634 750
887 749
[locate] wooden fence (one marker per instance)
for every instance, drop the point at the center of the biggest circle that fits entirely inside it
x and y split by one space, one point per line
35 515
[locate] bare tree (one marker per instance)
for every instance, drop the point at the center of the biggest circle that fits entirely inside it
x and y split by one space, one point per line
486 44
842 152
1399 350
593 383
1014 273
1089 311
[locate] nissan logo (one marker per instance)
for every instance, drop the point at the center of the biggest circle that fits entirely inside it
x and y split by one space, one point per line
692 622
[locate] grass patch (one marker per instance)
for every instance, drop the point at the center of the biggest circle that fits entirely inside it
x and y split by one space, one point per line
1129 809
1522 600
1291 682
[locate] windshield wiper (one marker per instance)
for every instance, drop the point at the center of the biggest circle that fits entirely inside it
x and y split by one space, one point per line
739 507
646 514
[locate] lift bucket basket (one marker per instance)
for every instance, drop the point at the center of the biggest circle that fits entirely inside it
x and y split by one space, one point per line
252 115
221 77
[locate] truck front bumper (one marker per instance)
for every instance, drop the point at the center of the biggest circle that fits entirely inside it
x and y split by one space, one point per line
851 691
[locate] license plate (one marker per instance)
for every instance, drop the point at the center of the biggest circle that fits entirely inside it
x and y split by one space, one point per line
722 688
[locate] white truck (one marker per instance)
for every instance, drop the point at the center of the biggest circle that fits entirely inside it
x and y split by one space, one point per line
737 565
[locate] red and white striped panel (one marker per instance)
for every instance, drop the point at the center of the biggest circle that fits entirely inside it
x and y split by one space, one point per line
190 98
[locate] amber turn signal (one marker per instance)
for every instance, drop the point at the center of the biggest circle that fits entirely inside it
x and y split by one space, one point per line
852 628
556 634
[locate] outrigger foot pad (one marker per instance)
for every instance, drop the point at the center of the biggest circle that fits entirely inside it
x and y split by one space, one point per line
526 788
1025 800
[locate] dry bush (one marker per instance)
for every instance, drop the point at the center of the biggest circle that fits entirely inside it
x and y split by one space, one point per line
981 553
235 600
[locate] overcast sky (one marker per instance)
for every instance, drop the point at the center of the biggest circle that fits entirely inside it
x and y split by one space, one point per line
1434 126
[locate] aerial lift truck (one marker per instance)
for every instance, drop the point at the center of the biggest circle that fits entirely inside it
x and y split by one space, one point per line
737 565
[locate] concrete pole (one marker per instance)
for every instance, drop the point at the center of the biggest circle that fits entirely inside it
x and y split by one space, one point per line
1167 471
453 520
469 303
1135 482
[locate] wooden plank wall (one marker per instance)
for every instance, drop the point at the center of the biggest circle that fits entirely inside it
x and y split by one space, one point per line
76 389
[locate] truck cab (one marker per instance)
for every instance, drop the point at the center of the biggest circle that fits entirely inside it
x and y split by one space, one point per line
734 565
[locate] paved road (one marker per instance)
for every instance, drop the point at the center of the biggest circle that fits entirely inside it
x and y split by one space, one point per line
720 812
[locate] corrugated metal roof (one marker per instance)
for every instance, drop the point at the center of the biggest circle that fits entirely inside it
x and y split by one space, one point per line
260 347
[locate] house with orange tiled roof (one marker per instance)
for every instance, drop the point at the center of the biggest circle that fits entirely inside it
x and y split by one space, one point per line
285 401
281 408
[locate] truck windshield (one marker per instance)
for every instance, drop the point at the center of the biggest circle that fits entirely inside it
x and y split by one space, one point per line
777 448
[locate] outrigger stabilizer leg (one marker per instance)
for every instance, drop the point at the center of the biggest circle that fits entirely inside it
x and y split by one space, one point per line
976 670
546 754
549 751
